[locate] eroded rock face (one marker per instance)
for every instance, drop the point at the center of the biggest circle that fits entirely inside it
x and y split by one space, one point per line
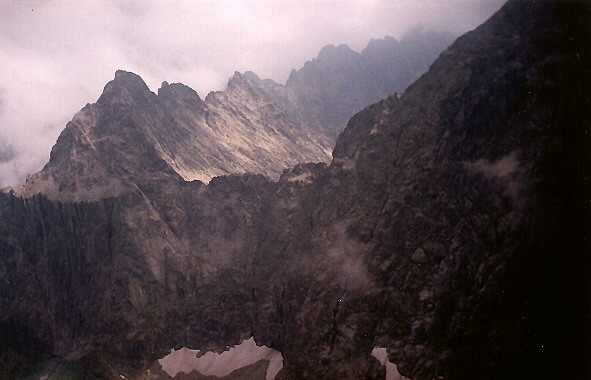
132 136
445 230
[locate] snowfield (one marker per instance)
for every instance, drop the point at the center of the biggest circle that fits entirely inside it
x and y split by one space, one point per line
213 364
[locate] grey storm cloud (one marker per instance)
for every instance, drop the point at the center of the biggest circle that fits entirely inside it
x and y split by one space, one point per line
6 153
56 56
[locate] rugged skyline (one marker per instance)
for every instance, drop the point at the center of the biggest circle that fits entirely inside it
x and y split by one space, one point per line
451 229
56 56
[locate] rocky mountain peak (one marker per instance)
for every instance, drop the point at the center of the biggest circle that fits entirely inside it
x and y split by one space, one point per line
132 136
331 54
179 93
331 88
237 79
450 232
127 75
378 46
127 87
252 76
249 89
254 126
164 86
248 82
129 80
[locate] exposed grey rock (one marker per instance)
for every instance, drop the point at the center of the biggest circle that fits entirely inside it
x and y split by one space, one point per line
319 265
132 136
255 126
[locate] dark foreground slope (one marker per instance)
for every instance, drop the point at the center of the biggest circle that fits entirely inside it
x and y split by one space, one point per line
450 228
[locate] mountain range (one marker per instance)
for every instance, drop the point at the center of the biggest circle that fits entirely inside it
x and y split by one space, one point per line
451 227
255 126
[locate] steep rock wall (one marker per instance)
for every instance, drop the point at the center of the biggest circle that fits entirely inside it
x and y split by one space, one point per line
449 227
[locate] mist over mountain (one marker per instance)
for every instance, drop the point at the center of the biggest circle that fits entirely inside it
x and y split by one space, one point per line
255 126
327 88
57 56
448 234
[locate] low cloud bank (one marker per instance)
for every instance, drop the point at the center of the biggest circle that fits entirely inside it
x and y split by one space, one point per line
57 56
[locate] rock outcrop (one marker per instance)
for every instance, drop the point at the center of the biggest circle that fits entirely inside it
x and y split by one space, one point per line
450 228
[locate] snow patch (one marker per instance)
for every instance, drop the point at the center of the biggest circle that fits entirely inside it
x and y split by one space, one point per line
213 364
391 369
304 177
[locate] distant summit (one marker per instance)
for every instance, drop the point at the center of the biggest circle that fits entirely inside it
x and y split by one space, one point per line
447 238
330 89
255 126
132 137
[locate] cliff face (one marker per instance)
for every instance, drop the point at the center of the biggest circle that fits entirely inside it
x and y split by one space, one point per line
449 228
131 135
479 156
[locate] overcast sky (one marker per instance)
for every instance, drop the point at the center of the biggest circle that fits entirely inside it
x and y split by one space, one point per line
56 56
